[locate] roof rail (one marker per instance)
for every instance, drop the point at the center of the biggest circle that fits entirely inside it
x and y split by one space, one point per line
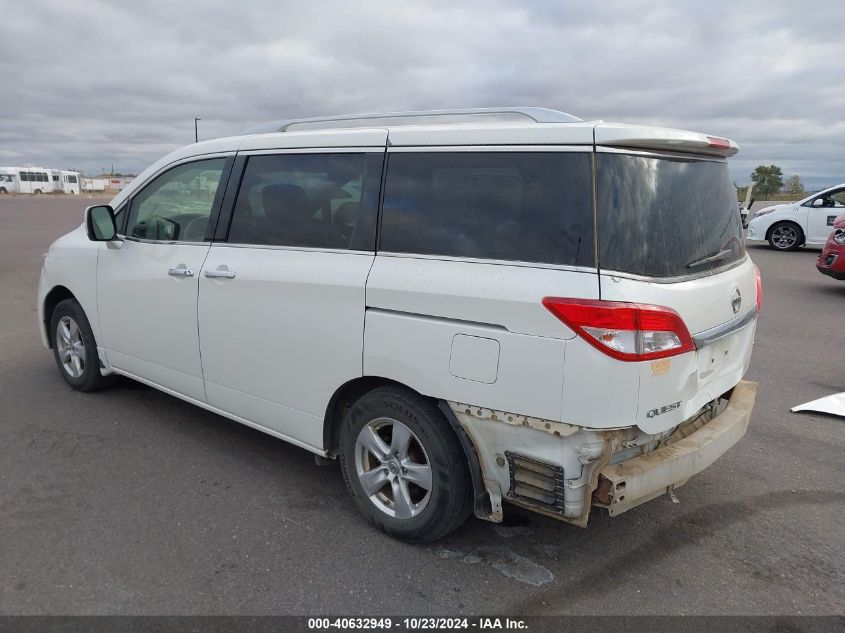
537 115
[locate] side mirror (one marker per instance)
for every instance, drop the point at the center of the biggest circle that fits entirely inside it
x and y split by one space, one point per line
100 224
818 202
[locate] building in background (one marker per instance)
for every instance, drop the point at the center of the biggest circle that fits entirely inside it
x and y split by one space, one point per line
106 182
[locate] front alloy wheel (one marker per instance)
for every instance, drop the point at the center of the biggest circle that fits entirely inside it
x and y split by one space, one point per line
70 346
784 237
75 349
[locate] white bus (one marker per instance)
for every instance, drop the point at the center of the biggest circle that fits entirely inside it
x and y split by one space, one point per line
65 181
8 180
38 180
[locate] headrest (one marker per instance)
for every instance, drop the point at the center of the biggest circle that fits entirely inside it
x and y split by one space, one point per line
347 213
284 203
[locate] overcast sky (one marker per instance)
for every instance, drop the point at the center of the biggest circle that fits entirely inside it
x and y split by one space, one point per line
87 84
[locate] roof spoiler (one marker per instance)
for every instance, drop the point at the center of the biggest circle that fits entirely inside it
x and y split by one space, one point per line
666 139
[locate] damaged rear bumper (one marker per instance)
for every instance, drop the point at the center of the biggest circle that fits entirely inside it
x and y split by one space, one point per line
562 471
634 481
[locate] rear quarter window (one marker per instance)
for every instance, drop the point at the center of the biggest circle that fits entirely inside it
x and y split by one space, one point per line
515 206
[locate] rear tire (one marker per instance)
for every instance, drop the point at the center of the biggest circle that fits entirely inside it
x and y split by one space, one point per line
75 349
785 236
404 466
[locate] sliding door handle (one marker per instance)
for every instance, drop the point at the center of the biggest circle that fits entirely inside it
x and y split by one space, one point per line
180 272
220 274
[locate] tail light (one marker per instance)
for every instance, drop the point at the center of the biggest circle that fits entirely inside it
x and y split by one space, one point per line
759 280
625 331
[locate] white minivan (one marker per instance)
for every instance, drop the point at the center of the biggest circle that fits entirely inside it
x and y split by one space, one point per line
462 307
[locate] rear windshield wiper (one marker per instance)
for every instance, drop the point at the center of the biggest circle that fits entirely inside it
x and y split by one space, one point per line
710 259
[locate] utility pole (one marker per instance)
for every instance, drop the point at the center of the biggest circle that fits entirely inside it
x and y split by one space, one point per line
196 134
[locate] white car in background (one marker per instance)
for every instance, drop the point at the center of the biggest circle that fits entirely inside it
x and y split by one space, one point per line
807 222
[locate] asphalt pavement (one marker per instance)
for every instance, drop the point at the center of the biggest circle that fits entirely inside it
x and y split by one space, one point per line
130 501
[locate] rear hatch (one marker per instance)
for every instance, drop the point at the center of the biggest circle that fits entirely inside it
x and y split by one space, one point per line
670 234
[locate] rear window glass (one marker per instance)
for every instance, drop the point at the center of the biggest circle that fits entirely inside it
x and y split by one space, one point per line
666 217
517 206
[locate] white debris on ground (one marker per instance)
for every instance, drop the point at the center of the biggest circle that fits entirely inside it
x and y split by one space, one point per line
834 405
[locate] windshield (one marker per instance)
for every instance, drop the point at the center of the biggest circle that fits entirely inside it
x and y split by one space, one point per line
666 217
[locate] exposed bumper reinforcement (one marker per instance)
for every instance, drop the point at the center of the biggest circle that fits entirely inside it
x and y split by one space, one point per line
645 477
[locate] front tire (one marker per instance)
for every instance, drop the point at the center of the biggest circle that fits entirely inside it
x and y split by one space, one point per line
786 236
75 349
404 466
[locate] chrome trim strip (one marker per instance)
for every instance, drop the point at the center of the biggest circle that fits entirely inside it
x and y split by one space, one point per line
495 262
708 337
140 240
677 279
345 149
303 249
475 147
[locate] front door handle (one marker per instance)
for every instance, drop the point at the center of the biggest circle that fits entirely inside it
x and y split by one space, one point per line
180 272
218 274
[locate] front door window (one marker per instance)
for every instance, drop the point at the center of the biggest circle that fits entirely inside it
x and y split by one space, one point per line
177 205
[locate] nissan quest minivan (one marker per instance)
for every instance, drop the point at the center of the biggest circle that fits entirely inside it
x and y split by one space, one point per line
463 307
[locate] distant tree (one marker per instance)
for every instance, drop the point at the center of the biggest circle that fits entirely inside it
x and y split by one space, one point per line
794 185
767 179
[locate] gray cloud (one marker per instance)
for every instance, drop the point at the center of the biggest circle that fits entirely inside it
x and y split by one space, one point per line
90 83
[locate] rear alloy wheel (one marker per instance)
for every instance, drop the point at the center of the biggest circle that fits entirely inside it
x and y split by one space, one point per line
785 236
397 476
404 466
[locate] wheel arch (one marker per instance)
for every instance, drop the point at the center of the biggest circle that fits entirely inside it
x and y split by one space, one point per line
350 391
51 300
803 236
342 399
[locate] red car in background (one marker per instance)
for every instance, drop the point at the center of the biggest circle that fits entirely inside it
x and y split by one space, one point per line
832 260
